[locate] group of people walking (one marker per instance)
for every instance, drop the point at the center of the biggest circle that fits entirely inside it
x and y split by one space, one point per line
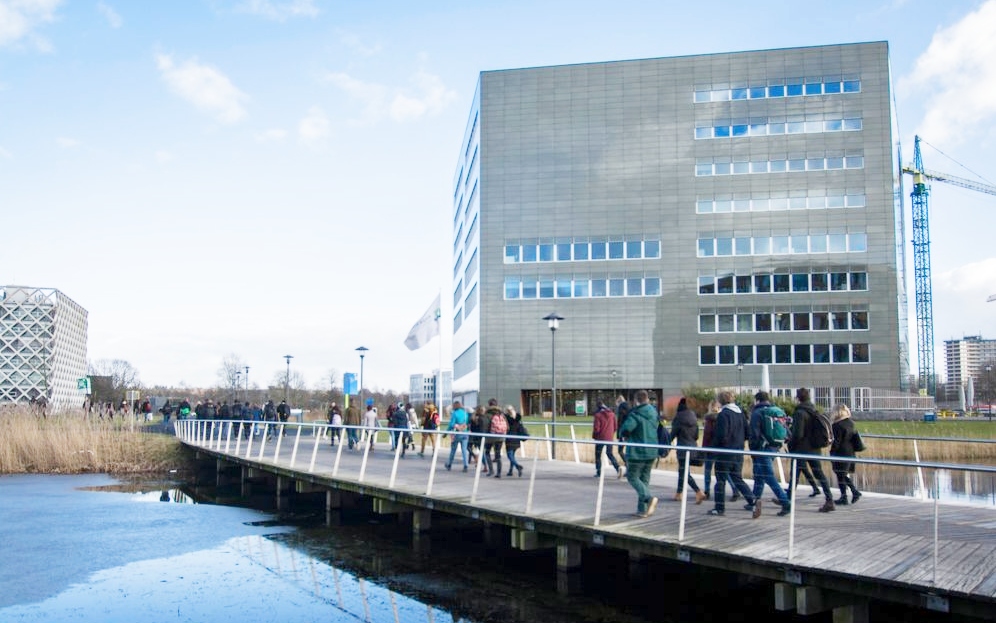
727 428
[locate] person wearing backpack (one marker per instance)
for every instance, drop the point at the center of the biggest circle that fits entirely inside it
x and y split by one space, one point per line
685 429
430 423
497 425
846 442
767 434
809 437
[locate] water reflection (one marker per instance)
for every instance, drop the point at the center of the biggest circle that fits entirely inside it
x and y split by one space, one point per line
946 485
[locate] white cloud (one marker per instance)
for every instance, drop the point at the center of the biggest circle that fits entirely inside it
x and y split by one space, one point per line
979 277
113 18
67 142
163 156
280 11
958 76
20 18
427 96
6 155
271 136
354 43
314 127
205 87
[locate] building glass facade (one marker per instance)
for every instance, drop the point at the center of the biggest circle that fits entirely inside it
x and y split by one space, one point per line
691 218
43 340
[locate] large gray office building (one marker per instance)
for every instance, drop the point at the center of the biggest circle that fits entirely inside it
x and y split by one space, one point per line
690 218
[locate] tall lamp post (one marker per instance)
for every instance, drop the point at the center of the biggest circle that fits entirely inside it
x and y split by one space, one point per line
553 322
989 390
740 378
247 384
238 382
363 351
287 380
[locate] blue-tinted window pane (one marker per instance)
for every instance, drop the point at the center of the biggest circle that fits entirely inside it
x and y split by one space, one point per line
777 166
738 94
564 252
634 286
704 132
838 243
739 130
706 247
763 352
616 287
724 246
616 249
581 290
776 90
546 288
783 353
835 163
703 169
757 93
726 354
743 284
818 243
511 288
859 281
852 86
634 249
762 283
707 355
702 96
652 249
546 253
854 162
511 254
745 354
762 322
857 243
859 353
598 250
800 244
741 246
707 323
781 283
814 88
819 281
707 285
793 90
762 246
528 253
580 250
652 286
841 353
800 282
721 131
597 287
852 125
831 87
802 353
563 288
838 281
724 284
528 289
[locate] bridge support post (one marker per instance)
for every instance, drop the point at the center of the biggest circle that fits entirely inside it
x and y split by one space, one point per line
333 504
637 566
854 613
421 520
568 556
283 492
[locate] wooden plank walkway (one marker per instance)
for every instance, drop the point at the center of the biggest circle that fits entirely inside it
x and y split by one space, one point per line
884 542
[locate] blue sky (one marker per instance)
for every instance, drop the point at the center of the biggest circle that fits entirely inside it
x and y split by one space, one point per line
256 178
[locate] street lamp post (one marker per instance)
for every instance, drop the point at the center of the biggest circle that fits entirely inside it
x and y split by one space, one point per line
238 382
614 373
989 390
247 384
287 380
363 351
740 378
553 322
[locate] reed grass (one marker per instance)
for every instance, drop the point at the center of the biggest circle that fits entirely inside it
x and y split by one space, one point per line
72 443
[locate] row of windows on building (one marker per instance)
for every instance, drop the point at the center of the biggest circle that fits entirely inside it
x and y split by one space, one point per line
730 354
583 249
778 128
517 288
813 200
793 87
784 321
765 283
727 166
782 245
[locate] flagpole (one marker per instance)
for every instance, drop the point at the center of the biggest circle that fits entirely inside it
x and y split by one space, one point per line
439 334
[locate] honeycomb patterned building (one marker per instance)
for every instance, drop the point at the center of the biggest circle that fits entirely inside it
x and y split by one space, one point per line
43 339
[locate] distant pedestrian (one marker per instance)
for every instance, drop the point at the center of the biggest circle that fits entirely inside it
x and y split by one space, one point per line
370 425
685 430
640 427
335 423
430 424
283 411
398 421
805 420
516 430
353 420
497 426
846 443
604 429
459 423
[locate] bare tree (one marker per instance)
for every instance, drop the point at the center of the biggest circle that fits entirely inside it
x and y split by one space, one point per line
230 372
331 388
297 388
115 376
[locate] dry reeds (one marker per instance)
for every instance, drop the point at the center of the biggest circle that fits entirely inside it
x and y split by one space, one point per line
72 443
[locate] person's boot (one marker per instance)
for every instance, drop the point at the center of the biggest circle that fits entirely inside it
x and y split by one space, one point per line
842 500
855 494
498 468
827 506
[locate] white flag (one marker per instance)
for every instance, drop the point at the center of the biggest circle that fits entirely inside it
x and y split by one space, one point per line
425 329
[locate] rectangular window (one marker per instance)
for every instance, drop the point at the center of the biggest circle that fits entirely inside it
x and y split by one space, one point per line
819 282
652 286
838 281
859 281
511 288
651 249
800 244
762 322
634 286
831 87
724 246
726 354
777 166
793 90
741 246
776 90
757 93
852 86
563 252
616 287
745 354
724 284
821 353
745 323
779 245
564 288
634 249
724 323
821 321
702 169
546 288
598 250
783 321
546 252
818 243
781 283
457 320
528 253
707 355
783 353
470 303
616 250
598 288
854 162
707 284
738 94
800 321
581 290
859 353
800 282
834 163
529 289
580 251
763 353
762 245
841 353
707 323
839 320
857 243
859 321
802 353
511 254
762 283
743 284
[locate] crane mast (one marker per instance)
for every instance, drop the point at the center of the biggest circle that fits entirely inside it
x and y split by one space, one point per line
921 273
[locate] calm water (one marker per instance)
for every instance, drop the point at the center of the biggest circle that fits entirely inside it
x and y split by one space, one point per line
89 548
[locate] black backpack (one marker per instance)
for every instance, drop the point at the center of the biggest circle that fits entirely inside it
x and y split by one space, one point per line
663 439
820 430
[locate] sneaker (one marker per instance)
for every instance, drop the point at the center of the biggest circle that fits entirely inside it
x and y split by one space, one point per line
757 509
651 506
785 510
596 475
715 512
855 497
620 473
700 497
448 466
841 501
827 506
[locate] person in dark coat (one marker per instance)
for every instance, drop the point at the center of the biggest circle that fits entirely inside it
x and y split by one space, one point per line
515 429
604 429
731 433
799 443
685 430
846 442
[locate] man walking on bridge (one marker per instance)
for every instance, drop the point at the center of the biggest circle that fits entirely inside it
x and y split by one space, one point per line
640 427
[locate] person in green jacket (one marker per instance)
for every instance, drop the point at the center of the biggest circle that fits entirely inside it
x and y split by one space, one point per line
640 427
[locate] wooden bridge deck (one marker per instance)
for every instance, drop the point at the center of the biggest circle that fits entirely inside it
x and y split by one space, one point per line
882 547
